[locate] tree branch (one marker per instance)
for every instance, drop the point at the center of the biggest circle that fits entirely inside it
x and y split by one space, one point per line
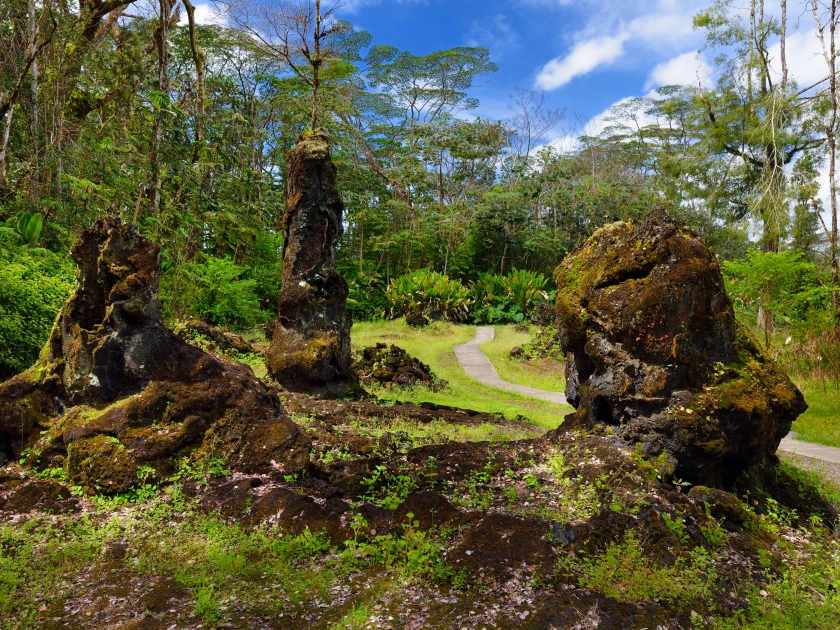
371 160
7 100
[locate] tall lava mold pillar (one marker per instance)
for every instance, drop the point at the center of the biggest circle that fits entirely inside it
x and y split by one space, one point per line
310 347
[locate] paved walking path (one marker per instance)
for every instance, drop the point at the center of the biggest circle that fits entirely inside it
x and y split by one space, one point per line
816 451
478 367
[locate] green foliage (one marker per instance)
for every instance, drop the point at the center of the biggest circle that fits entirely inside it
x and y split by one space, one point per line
424 290
356 619
33 285
216 290
413 554
507 299
625 572
366 300
388 493
25 229
793 288
805 594
676 526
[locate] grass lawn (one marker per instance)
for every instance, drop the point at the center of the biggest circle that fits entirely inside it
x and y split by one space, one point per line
433 345
542 373
821 423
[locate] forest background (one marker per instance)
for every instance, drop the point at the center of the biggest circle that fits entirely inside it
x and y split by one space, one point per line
121 107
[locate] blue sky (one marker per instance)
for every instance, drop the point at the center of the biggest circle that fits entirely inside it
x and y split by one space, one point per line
586 54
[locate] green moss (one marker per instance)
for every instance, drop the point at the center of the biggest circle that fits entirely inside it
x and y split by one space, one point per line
101 465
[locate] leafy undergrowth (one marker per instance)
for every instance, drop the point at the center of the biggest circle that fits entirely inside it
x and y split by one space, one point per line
433 346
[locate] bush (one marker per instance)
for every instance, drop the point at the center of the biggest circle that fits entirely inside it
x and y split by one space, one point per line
426 290
218 291
33 285
366 300
505 299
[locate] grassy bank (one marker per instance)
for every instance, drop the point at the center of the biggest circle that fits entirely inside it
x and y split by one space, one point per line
541 373
821 422
433 345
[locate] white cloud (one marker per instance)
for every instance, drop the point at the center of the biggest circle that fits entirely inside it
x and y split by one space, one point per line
205 14
584 57
685 69
806 63
659 30
613 26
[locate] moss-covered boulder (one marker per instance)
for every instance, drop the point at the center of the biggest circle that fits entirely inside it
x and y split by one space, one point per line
653 350
394 366
116 397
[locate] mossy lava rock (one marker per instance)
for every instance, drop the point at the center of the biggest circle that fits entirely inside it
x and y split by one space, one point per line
654 351
116 397
310 344
394 366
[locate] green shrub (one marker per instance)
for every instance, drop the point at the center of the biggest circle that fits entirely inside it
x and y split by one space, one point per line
507 299
625 572
366 300
526 288
217 290
33 285
425 290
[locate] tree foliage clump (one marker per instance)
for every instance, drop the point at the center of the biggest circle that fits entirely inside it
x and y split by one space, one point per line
33 285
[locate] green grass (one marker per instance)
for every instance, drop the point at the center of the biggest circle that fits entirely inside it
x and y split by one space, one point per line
821 422
224 566
433 345
541 373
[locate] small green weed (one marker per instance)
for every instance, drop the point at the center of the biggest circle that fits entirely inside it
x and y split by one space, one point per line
676 526
390 495
356 619
625 572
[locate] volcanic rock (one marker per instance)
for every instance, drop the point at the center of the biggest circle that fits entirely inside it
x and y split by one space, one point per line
394 366
217 339
654 350
416 320
116 396
310 346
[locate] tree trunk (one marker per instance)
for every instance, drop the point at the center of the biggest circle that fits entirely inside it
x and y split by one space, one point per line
161 36
32 28
198 60
832 143
316 64
7 129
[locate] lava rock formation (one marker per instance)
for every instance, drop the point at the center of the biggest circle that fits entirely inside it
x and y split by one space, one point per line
394 366
653 350
115 392
310 346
